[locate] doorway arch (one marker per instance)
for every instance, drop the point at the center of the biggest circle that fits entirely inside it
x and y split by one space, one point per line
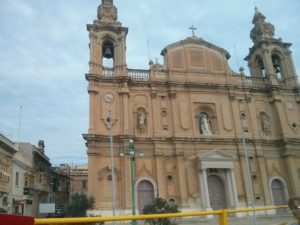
145 194
278 194
216 190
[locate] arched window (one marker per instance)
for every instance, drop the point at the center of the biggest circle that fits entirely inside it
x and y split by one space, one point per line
278 194
260 67
277 66
108 54
204 124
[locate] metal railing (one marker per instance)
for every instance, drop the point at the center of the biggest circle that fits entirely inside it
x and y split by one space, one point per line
223 216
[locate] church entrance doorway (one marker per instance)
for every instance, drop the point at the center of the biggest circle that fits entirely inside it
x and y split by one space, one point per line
216 191
145 192
278 194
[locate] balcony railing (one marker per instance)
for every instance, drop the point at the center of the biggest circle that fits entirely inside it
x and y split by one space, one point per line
134 74
138 74
256 82
108 72
250 82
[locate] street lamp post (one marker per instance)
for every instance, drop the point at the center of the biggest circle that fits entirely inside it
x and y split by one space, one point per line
131 157
242 117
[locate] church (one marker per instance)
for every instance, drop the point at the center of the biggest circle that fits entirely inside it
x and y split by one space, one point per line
203 136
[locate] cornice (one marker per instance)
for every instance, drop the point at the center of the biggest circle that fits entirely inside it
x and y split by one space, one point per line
269 41
94 78
202 140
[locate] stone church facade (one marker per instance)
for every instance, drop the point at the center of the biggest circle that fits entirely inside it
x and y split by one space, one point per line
192 117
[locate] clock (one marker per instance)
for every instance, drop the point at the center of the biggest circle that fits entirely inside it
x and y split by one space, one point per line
108 97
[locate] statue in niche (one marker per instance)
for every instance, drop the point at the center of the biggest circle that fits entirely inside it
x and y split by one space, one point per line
265 124
164 119
141 119
204 124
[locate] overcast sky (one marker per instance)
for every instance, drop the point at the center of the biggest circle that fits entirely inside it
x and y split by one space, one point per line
44 55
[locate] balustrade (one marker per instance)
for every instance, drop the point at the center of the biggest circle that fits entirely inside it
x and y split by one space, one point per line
256 82
134 74
138 74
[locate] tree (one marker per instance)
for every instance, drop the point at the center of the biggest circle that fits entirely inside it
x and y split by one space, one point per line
161 206
79 204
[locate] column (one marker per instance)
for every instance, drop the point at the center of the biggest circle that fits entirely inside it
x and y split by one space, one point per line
294 181
247 190
125 111
92 112
264 179
280 114
232 187
161 178
204 189
182 180
269 67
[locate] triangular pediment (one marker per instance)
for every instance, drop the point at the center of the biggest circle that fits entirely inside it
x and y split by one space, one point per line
218 155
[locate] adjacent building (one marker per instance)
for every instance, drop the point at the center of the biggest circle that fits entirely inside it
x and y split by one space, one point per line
22 178
60 186
7 151
79 179
192 117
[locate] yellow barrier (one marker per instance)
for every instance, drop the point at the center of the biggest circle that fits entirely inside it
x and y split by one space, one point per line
223 216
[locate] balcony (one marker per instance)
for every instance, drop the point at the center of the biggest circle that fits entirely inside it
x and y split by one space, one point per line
263 83
134 74
142 75
256 82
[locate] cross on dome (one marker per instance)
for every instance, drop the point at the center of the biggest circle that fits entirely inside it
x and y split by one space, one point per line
193 30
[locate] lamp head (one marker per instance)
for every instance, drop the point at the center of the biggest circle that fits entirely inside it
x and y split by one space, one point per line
130 141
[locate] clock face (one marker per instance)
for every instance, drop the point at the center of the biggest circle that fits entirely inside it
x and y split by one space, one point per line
108 97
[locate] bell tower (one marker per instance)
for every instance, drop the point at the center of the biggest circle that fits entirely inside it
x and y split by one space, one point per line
269 57
107 42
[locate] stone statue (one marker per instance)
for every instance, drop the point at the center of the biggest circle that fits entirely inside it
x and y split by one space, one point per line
107 12
205 127
265 124
261 29
141 118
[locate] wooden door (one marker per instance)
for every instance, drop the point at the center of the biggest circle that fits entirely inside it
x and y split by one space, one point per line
278 195
216 191
145 194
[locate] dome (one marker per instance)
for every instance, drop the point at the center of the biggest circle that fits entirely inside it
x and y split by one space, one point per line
195 55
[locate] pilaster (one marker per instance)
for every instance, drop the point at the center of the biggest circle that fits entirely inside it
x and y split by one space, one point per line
204 189
182 180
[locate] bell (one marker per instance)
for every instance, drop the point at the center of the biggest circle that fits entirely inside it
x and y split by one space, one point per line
107 53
